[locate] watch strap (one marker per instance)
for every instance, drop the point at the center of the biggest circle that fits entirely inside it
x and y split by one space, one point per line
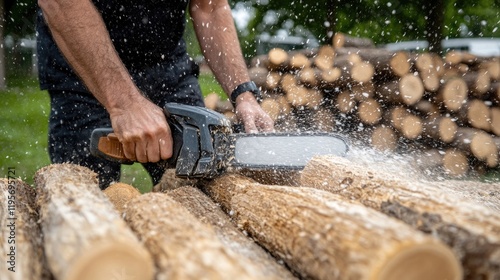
244 87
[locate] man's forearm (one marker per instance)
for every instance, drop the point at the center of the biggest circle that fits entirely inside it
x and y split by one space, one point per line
216 33
81 35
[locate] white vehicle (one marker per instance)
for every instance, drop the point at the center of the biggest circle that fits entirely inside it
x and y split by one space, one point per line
479 46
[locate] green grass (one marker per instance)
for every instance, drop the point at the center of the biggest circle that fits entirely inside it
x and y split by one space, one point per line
24 112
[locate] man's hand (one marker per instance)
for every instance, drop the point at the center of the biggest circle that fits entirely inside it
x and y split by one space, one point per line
143 130
251 114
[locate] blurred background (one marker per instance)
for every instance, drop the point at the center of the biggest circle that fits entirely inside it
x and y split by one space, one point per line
262 25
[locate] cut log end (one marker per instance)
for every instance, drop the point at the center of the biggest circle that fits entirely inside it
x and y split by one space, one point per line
120 193
425 261
411 89
112 261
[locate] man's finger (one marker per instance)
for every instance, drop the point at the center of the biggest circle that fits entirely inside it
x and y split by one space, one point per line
141 152
129 150
166 146
153 151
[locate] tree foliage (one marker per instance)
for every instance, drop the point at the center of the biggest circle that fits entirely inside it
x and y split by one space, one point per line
383 21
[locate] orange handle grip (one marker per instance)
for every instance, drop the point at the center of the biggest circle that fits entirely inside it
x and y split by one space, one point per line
111 146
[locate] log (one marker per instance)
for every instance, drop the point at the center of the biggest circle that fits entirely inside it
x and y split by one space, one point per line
20 234
455 162
307 77
272 107
482 193
384 138
387 64
211 100
342 40
478 82
299 61
363 91
427 70
477 143
452 94
324 58
120 193
369 111
354 72
471 230
345 102
84 236
324 236
442 129
206 211
182 247
495 92
455 57
427 108
475 113
258 75
169 181
406 123
277 59
330 78
495 120
406 90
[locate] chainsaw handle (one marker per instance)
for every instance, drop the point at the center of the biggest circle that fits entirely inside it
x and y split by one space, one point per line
105 144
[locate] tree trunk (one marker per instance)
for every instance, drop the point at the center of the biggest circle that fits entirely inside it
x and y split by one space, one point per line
472 230
3 83
20 234
84 237
324 236
205 210
182 246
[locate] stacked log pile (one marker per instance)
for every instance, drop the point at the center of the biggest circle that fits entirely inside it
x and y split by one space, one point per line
340 220
445 107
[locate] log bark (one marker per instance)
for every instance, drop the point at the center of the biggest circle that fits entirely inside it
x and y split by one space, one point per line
482 193
324 236
471 230
20 233
84 237
206 211
407 90
182 247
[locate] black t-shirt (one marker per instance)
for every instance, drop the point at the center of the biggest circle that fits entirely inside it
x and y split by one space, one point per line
145 34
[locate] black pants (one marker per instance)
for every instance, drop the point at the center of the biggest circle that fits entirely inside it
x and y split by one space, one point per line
74 115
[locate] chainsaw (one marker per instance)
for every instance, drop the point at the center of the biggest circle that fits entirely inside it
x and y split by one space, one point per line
205 145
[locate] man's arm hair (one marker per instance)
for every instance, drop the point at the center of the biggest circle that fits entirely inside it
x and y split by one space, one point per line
81 35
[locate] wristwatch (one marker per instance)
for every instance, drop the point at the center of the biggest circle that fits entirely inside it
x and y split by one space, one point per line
244 87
